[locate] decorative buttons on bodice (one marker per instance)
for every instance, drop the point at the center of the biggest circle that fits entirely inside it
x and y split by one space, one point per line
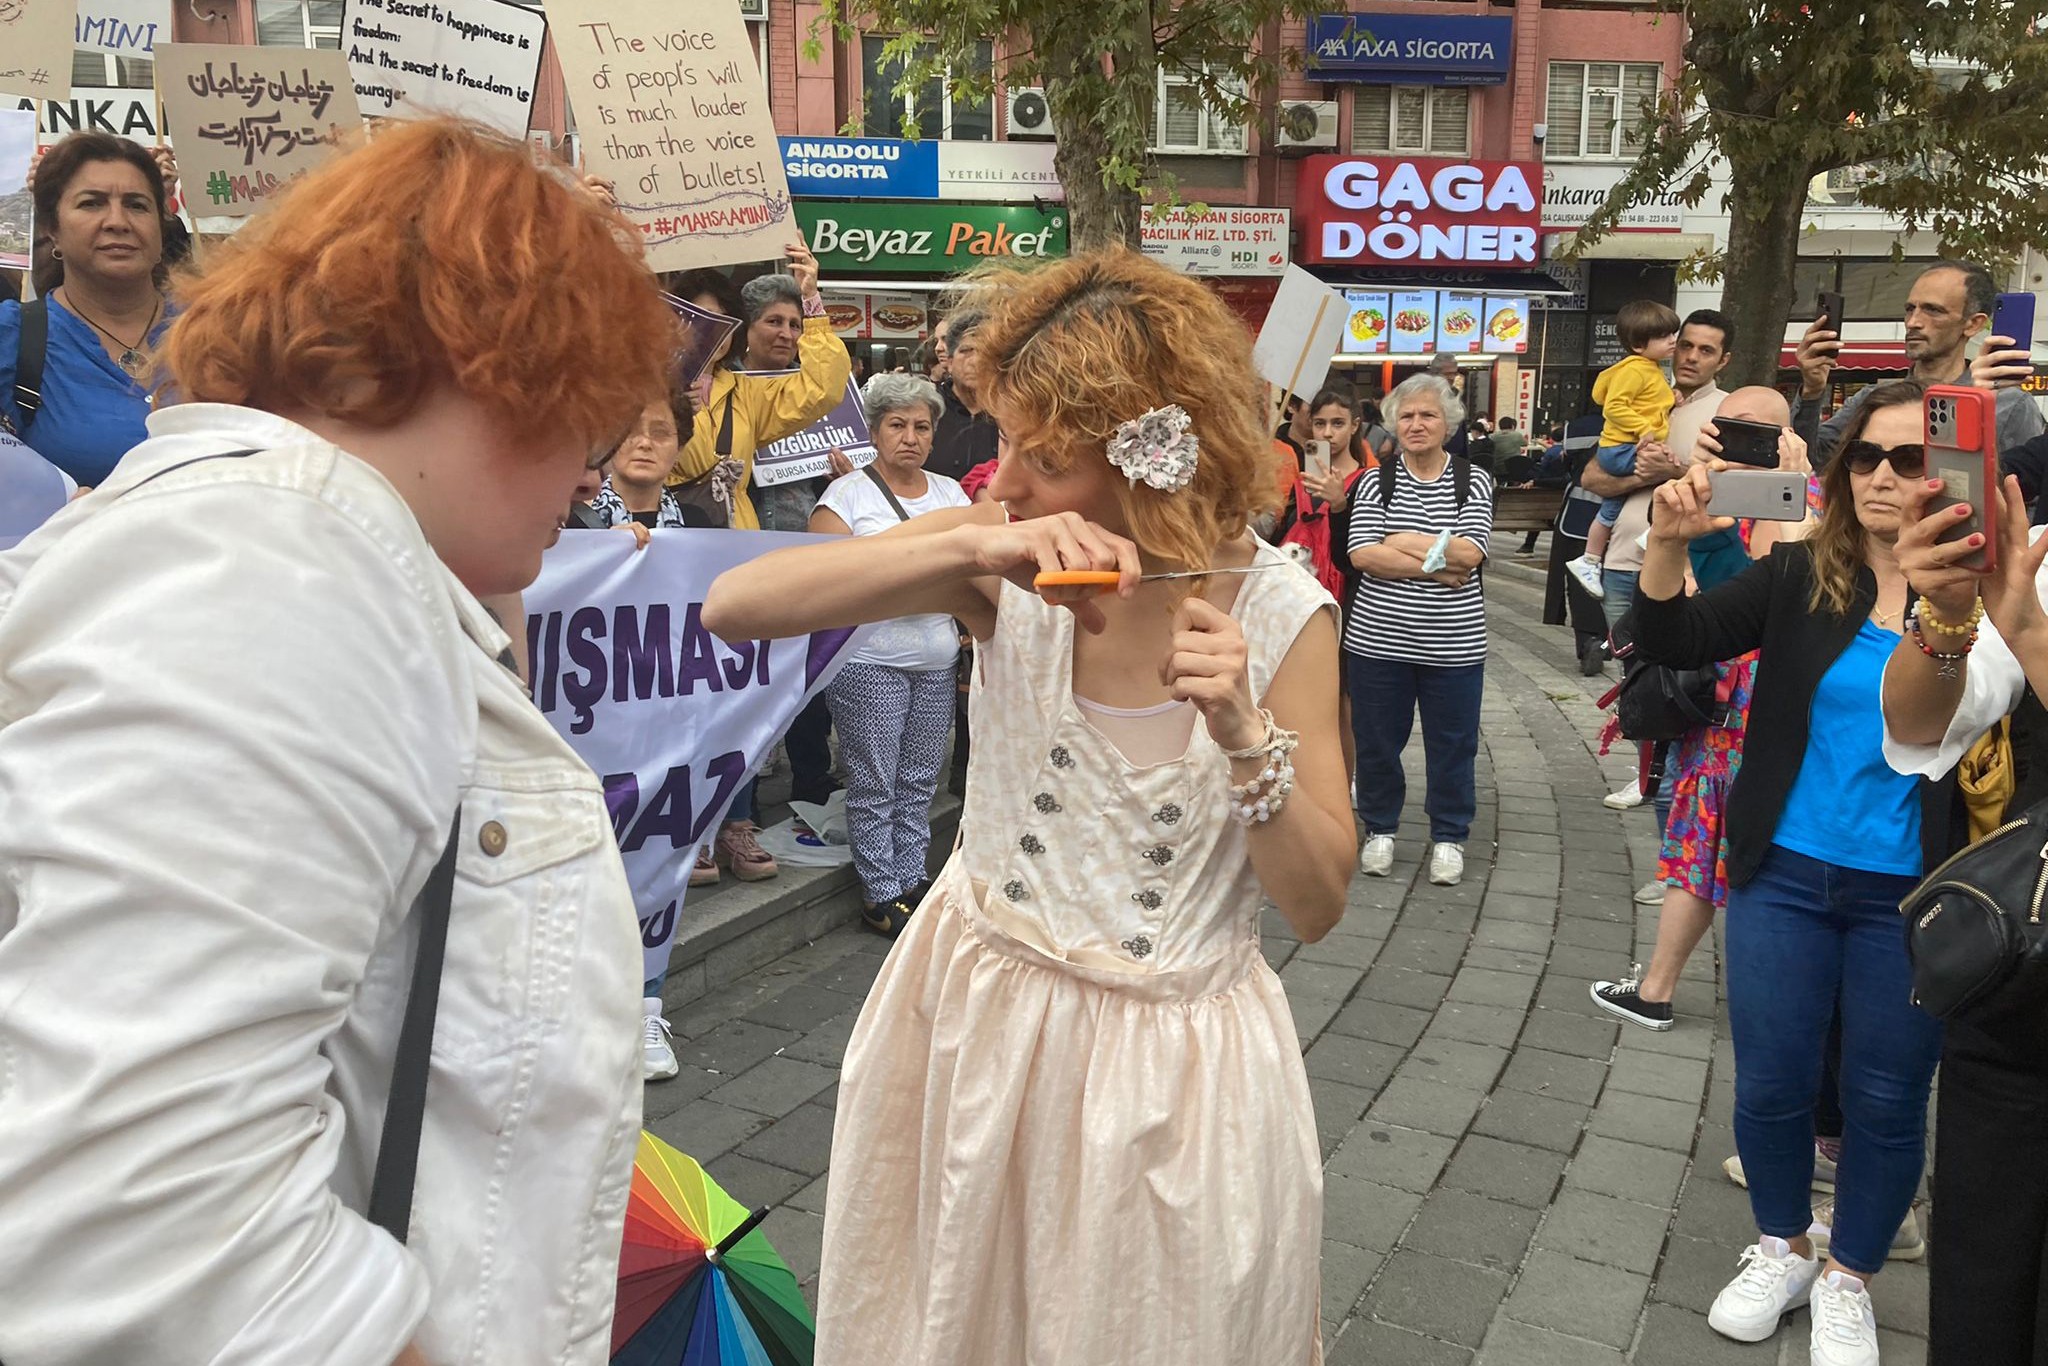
1138 946
1032 845
1168 814
1159 855
1046 804
1016 891
1060 757
1149 899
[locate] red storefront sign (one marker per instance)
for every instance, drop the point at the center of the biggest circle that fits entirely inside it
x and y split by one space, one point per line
1419 211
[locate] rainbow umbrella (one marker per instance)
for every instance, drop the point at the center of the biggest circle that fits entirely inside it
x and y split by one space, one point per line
698 1284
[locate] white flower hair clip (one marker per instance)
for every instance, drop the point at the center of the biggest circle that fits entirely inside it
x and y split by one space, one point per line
1157 449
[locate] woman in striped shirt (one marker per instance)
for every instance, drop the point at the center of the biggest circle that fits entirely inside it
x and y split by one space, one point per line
1416 632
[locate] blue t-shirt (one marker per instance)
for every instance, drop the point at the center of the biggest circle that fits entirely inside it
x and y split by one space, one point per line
1848 806
93 410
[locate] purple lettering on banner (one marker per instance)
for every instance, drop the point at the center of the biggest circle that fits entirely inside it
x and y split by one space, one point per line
673 814
586 628
621 799
824 647
699 658
640 658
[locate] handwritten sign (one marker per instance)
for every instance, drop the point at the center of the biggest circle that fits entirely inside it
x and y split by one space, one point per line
126 28
35 47
17 205
248 119
475 59
673 112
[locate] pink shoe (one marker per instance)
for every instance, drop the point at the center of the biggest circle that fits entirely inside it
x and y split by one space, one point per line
705 874
739 849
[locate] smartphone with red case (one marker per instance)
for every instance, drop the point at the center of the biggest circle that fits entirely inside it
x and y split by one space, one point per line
1962 452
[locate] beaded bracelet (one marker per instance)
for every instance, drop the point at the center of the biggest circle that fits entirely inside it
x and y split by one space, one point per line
1262 798
1940 627
1946 660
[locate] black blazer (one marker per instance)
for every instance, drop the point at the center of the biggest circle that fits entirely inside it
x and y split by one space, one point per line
1765 607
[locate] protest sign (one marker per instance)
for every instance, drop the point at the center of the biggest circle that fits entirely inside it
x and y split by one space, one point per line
671 718
248 119
17 205
35 47
1301 334
122 112
126 28
32 490
699 334
808 453
475 59
674 114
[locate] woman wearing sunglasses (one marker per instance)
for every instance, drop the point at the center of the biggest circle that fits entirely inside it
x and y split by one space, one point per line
1823 839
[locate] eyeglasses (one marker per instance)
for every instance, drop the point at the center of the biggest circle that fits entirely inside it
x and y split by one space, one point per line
1908 462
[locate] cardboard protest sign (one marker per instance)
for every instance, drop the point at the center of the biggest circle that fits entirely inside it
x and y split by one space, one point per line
1301 334
126 28
35 47
674 114
699 334
17 205
248 119
475 59
808 453
32 490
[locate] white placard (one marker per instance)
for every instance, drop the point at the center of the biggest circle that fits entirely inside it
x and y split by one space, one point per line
35 47
670 717
1302 332
126 28
122 112
475 59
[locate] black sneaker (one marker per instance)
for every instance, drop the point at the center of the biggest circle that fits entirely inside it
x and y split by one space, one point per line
1622 998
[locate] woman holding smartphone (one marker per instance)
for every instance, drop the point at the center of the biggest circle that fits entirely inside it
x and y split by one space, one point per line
1823 839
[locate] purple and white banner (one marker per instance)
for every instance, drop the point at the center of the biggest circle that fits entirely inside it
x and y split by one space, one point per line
32 490
670 717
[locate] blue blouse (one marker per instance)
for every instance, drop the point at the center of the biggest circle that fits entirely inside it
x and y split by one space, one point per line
93 410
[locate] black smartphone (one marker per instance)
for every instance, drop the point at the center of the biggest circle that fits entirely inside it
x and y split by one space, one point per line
1831 311
2013 316
1748 443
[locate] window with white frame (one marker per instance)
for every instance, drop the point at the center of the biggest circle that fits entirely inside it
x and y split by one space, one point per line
1184 122
1600 110
104 70
1425 120
936 111
298 23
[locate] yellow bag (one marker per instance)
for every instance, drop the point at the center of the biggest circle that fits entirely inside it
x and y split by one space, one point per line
1985 778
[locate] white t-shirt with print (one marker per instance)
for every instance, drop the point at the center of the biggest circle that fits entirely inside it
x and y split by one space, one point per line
919 643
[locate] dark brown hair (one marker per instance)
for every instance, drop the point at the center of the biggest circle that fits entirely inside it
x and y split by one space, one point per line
1838 542
1642 321
59 166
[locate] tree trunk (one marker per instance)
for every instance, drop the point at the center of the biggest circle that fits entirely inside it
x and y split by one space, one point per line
1765 205
1098 215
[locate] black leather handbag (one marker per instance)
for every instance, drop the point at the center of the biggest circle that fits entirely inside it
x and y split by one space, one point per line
1657 702
1977 926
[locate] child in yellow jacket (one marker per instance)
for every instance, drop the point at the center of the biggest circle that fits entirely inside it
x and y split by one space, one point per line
1636 401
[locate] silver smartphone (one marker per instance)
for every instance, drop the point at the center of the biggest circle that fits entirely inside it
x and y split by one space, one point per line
1766 495
1315 457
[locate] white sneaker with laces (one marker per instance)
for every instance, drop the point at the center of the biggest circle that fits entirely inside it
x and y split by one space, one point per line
657 1054
1650 894
1624 799
1586 570
1774 1280
1844 1329
1376 859
1446 864
1907 1244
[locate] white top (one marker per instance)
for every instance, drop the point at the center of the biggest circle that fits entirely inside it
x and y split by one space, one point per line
238 707
920 643
1086 853
1993 683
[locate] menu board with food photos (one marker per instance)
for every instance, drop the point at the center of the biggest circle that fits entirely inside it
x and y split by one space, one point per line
1365 332
1414 322
1458 322
848 312
896 316
1507 325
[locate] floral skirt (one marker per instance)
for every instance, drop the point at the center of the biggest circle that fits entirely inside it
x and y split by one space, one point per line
1706 761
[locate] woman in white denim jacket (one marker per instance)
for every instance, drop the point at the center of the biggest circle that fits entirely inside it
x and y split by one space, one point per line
241 696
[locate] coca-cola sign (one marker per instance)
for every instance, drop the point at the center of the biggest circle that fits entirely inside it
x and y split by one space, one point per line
1419 211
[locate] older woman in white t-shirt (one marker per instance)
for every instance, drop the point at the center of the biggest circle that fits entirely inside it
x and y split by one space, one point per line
893 702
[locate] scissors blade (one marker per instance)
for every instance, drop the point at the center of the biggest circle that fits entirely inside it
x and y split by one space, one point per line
1210 573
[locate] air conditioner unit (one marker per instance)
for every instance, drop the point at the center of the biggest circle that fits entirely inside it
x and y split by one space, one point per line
1029 117
1307 124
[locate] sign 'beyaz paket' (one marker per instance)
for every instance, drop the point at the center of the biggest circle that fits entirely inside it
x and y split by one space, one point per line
1372 211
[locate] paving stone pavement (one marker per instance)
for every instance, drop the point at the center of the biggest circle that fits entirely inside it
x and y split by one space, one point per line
1512 1177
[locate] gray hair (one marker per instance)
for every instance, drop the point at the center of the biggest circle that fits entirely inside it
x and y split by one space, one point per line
1428 387
763 290
886 394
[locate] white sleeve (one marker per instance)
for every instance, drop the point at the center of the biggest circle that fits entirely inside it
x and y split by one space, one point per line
231 745
839 497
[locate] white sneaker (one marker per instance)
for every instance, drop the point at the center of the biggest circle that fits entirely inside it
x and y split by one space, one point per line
1772 1283
1586 570
1624 799
1650 894
657 1054
1844 1329
1377 858
1908 1245
1446 864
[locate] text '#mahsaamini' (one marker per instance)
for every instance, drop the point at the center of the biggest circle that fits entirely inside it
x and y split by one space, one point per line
632 653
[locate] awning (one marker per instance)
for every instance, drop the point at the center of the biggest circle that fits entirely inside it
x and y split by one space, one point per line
1855 355
1533 283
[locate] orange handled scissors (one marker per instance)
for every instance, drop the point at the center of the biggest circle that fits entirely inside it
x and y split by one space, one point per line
1106 579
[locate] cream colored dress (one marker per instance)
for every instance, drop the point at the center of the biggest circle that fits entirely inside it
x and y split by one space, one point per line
1074 1128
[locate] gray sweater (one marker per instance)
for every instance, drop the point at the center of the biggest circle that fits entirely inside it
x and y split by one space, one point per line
2019 420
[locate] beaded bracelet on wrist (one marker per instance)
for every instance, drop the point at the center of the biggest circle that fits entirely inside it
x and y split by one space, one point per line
1262 798
1946 660
1926 617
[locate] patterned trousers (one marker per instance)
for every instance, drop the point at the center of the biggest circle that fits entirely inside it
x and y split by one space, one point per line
892 726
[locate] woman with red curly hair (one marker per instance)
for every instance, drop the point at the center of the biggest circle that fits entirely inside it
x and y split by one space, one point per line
246 690
1074 1122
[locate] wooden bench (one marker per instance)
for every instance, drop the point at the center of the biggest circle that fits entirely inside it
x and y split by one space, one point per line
1526 509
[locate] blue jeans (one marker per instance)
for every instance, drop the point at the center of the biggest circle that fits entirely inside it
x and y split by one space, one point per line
1619 461
1385 695
1804 936
1620 587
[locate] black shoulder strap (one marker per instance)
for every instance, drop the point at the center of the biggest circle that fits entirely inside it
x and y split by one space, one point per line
1390 474
398 1151
1461 481
887 492
32 346
724 447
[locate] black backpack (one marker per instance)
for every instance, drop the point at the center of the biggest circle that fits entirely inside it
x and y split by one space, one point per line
32 346
1461 479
